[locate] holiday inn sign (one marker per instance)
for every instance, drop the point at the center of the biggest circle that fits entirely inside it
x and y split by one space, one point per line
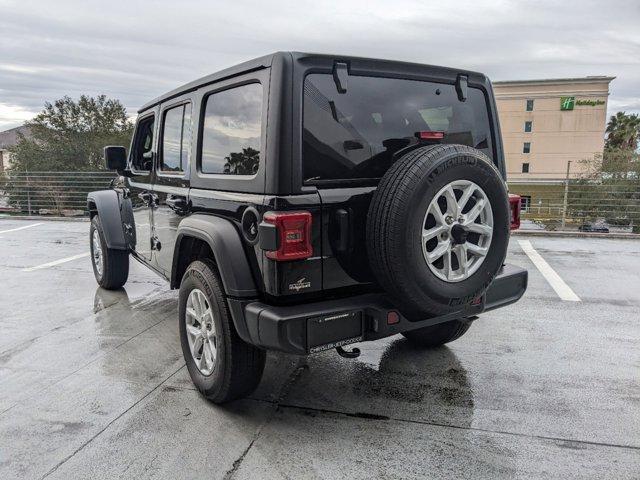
567 103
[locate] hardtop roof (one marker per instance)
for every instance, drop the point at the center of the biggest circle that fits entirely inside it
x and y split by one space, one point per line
267 60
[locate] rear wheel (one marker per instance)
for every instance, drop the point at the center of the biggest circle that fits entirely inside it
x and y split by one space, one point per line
222 366
436 335
110 266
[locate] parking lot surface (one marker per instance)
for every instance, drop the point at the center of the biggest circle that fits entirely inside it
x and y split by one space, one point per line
93 384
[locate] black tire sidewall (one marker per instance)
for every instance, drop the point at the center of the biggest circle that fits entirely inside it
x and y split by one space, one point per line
407 277
196 277
478 171
96 225
437 335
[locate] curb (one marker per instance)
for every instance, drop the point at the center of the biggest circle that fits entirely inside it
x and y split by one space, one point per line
565 234
37 217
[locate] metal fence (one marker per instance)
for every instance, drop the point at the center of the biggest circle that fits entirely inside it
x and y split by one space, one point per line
49 193
579 203
547 202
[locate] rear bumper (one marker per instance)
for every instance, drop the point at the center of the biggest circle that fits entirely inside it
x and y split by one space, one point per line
318 326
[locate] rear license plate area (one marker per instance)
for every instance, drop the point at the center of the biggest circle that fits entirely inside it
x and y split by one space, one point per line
334 330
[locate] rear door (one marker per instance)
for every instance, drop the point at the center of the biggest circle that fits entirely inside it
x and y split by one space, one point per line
171 187
350 139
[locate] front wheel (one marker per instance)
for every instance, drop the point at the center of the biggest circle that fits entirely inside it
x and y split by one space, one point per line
110 266
222 366
436 335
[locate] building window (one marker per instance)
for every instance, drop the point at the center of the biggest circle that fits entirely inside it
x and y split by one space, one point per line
530 105
528 126
232 131
525 202
525 168
526 148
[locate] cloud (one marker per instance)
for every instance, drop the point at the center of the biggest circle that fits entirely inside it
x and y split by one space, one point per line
135 50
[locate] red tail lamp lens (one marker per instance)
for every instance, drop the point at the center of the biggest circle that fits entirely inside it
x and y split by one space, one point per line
294 235
514 206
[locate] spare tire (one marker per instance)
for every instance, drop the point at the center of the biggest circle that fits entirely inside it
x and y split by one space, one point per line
438 229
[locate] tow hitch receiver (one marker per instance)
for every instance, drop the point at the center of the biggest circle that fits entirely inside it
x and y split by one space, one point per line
353 353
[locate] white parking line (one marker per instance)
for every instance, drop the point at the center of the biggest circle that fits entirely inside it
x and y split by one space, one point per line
56 262
562 289
20 228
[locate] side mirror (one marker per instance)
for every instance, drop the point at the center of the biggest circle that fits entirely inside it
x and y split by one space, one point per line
115 158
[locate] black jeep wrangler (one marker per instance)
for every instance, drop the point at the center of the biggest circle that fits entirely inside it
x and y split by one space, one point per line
305 202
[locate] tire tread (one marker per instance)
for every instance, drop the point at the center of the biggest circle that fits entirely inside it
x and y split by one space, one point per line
116 262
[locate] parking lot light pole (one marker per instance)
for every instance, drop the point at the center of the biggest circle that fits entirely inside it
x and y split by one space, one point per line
566 196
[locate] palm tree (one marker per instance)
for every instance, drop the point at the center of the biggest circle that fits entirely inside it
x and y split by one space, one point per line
623 131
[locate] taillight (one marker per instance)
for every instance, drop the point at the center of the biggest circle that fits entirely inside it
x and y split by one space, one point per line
514 206
293 234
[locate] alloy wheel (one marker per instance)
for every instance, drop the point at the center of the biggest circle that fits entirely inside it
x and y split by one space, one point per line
201 332
457 230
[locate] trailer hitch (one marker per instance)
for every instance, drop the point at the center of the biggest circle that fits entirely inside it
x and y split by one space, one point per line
353 353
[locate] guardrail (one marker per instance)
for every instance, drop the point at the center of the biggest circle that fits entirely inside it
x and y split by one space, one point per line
49 193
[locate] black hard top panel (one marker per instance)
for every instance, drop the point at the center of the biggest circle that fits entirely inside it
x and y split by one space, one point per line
251 65
267 60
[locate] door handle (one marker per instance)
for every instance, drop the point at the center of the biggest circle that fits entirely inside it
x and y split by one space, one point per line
145 197
149 199
177 203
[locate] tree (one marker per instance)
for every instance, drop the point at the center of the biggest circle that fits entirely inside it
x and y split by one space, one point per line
242 163
610 189
623 132
69 135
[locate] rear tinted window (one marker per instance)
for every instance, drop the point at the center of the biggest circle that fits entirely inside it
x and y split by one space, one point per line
354 135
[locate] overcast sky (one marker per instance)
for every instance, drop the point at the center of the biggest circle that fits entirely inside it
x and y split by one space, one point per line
134 50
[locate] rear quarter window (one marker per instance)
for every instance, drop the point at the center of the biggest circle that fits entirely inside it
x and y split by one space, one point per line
232 130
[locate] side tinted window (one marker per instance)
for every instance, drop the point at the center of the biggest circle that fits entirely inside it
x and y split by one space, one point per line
142 151
176 138
232 130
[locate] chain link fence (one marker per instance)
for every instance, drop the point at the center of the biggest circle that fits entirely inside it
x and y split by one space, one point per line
49 193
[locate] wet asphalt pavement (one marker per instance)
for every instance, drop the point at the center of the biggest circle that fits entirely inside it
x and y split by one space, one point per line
93 385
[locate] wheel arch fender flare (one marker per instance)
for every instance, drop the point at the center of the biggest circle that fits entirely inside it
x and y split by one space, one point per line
226 245
107 205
